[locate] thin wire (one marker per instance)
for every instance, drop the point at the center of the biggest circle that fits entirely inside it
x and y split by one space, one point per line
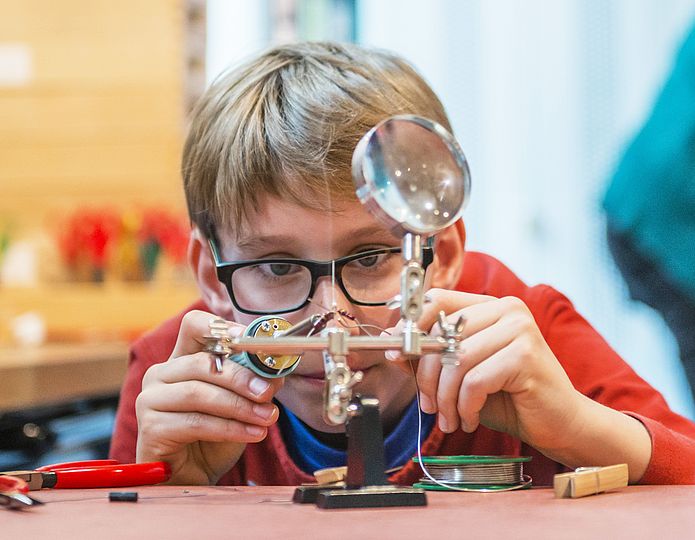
527 479
334 304
340 317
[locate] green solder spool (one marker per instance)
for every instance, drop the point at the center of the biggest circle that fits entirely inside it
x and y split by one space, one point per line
474 473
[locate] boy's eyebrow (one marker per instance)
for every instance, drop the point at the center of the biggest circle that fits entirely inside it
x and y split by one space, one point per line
257 242
372 233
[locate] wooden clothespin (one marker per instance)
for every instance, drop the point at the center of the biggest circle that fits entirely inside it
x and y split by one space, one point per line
333 476
590 481
336 475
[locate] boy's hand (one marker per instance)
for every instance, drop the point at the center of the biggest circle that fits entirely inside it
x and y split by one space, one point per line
508 378
196 419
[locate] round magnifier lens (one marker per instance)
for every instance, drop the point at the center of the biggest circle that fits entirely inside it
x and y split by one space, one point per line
411 173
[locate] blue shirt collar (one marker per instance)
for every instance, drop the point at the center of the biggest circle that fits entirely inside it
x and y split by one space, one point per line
311 454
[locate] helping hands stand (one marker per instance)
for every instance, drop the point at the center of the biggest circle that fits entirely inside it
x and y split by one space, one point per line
366 484
411 173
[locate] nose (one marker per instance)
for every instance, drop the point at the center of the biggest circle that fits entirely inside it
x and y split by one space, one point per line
329 296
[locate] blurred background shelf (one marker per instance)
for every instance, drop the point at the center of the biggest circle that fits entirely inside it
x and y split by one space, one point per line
95 312
58 399
56 373
88 327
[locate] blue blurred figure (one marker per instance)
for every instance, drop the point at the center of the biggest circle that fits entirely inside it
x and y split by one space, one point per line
650 208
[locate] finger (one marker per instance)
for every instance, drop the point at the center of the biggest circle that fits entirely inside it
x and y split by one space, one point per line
194 325
480 317
428 371
429 366
482 310
233 376
449 302
476 349
481 381
485 314
208 399
187 427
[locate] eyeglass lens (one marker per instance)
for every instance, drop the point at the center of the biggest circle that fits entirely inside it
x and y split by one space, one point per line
274 286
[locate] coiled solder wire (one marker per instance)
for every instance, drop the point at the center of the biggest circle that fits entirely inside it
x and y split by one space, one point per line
504 474
497 473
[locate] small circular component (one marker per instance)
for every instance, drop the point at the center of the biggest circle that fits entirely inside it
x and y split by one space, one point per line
263 364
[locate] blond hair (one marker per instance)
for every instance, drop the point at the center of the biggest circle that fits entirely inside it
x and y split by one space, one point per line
286 124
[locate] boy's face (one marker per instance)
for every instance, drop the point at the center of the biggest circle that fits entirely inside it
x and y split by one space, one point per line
280 230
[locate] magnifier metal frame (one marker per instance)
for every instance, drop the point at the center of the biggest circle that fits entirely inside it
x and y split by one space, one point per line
371 195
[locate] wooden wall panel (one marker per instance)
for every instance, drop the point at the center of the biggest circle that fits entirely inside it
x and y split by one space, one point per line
102 115
99 122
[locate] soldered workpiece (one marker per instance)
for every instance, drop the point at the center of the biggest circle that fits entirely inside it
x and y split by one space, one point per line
220 345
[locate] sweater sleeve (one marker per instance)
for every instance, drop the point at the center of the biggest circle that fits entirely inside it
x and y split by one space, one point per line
124 439
672 454
598 372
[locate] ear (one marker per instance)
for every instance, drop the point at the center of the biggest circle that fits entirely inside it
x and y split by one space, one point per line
449 250
213 292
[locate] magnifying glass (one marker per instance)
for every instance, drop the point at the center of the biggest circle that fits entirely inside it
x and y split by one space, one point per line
411 174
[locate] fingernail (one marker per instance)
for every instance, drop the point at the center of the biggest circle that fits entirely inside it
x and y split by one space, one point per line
263 410
258 386
391 355
442 424
255 431
426 404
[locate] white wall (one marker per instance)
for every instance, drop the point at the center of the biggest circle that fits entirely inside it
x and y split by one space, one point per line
235 30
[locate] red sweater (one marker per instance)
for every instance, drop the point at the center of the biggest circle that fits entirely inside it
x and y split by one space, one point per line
594 368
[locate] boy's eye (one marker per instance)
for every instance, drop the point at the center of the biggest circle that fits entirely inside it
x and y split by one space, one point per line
373 260
280 269
368 261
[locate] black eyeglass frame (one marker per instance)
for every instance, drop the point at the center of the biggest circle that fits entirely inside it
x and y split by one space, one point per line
317 270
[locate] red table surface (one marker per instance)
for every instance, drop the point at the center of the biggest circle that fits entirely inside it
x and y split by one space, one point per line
172 512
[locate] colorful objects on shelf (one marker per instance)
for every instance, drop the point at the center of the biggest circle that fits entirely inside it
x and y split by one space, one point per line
4 242
127 245
85 242
161 232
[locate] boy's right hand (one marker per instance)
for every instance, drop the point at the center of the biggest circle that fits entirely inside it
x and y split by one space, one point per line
196 419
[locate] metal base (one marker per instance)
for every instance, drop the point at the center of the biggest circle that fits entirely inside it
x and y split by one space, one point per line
309 494
369 486
371 497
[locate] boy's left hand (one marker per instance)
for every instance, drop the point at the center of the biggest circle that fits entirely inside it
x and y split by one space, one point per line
508 378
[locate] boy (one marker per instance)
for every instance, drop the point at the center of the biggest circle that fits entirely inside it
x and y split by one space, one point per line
266 171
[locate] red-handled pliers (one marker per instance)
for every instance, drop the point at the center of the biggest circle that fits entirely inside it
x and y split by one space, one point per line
14 493
94 474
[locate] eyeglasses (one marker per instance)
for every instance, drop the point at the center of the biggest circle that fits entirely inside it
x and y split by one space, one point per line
273 286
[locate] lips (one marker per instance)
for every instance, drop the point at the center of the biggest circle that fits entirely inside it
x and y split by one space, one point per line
356 362
322 376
